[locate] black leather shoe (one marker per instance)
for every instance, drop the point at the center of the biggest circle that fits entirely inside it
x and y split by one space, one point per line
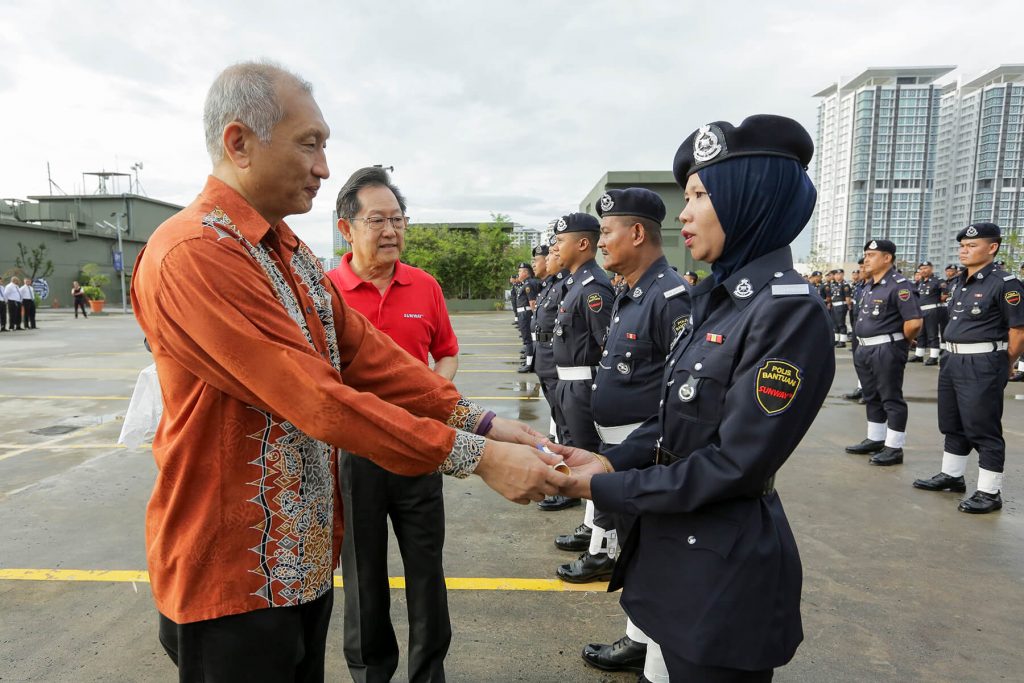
931 361
1017 376
887 456
576 541
587 569
552 503
981 503
841 345
866 447
524 369
625 654
854 395
916 359
941 482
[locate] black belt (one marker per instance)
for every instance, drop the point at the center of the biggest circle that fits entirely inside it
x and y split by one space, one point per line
545 336
665 457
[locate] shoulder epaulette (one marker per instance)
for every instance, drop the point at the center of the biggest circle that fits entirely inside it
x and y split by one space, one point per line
587 281
901 279
1009 277
675 291
791 290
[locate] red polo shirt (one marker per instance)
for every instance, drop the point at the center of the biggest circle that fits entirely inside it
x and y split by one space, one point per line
412 310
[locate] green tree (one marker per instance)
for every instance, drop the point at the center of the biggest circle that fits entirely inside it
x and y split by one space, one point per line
33 262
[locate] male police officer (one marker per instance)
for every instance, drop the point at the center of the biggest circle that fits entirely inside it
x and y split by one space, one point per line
524 303
889 320
542 332
646 318
985 333
929 298
840 297
580 328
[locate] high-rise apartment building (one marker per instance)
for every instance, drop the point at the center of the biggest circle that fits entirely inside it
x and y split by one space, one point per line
338 243
875 161
979 168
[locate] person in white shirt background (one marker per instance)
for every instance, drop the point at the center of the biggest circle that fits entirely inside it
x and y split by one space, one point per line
28 305
12 292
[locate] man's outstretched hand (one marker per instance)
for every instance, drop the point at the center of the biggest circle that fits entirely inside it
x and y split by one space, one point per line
511 431
584 465
518 472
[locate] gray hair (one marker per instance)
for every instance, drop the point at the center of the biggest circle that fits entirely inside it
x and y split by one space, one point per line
371 176
246 92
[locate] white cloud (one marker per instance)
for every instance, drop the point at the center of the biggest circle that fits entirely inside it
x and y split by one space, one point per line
517 107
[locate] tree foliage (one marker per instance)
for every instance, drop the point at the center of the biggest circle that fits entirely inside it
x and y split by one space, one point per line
95 279
33 262
468 264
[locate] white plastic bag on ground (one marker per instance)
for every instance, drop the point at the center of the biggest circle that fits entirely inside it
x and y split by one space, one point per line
144 410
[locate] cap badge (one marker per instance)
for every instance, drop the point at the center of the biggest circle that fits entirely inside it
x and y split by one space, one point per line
744 290
606 202
873 245
706 145
561 225
972 231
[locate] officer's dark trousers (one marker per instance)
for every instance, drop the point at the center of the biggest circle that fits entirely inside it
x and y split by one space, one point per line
3 315
14 314
266 646
525 321
929 338
971 405
550 385
574 399
687 672
839 320
415 505
28 309
880 371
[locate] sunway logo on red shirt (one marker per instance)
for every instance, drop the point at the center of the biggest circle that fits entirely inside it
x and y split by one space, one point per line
412 315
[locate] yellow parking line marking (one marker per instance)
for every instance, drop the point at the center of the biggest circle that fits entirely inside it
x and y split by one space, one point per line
519 343
50 444
487 372
58 398
47 446
503 398
24 369
453 583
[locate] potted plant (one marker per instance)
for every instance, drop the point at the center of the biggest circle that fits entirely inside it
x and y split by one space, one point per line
94 280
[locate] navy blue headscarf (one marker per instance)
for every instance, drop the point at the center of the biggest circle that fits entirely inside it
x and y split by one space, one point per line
762 202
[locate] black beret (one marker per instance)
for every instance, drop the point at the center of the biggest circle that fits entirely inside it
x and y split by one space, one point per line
817 272
952 266
881 245
924 263
692 274
577 222
839 270
526 265
633 201
759 135
989 230
540 250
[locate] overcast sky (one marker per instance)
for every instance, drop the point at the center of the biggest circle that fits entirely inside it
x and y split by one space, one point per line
513 107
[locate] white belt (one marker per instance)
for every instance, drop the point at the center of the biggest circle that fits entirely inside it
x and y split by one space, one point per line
581 372
615 435
880 339
533 336
928 307
980 347
522 309
838 304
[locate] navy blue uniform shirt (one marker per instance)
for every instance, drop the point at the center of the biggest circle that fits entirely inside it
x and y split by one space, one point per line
929 291
885 305
645 320
711 563
543 325
583 315
838 292
984 306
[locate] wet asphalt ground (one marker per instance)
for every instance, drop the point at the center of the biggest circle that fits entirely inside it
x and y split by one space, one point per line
898 585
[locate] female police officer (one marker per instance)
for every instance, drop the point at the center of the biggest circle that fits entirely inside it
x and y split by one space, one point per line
710 569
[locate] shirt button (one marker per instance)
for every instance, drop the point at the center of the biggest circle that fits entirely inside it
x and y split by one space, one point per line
691 540
778 273
616 318
698 366
604 353
661 275
661 402
593 387
629 354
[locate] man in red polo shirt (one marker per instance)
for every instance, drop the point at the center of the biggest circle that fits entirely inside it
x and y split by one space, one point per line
406 304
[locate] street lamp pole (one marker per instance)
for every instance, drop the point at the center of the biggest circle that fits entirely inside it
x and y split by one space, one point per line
120 248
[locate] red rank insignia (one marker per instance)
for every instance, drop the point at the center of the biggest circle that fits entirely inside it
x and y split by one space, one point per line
714 338
630 335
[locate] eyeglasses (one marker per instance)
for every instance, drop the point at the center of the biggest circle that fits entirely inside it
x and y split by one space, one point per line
377 223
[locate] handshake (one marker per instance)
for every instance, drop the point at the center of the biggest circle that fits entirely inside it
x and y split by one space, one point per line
522 465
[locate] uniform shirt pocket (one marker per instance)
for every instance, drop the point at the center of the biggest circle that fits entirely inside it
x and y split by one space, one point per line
699 386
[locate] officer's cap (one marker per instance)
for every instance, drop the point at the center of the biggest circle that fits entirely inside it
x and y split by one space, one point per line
839 270
881 245
758 135
987 230
540 250
690 273
632 201
922 264
577 222
952 266
526 265
816 273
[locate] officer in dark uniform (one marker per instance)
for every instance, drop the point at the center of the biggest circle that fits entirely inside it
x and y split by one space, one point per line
551 292
1018 375
840 296
651 310
819 288
985 333
888 321
929 299
855 289
525 301
861 277
710 571
580 328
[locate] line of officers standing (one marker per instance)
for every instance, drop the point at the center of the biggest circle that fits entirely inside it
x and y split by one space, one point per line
973 320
